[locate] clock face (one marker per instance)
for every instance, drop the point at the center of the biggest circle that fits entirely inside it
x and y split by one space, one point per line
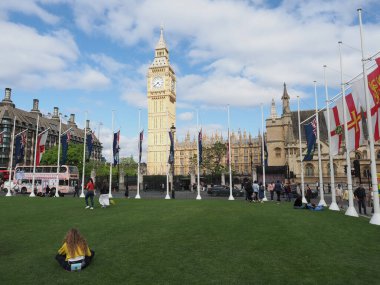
157 82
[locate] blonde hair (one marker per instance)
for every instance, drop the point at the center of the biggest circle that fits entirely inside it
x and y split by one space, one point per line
73 240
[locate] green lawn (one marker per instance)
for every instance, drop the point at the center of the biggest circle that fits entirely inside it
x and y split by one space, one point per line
187 242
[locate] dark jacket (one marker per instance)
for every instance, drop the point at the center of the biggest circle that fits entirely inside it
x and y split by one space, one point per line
359 193
277 187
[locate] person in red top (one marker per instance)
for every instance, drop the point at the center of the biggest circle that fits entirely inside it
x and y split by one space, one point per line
90 193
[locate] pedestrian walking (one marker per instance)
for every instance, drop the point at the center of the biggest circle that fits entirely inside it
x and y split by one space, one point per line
90 194
256 189
359 194
248 190
271 190
308 194
278 189
339 195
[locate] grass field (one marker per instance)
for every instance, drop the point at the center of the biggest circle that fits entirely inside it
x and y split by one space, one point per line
187 242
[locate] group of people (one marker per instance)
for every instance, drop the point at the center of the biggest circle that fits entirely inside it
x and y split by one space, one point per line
256 191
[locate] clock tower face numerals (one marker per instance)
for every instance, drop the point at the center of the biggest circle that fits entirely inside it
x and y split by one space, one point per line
157 82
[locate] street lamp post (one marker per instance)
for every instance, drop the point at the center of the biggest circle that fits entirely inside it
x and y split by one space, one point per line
250 151
172 130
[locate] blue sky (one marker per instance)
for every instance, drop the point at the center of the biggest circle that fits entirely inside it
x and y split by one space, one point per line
93 56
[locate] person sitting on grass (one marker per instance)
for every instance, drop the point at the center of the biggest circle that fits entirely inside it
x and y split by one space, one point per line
314 207
74 254
104 199
298 203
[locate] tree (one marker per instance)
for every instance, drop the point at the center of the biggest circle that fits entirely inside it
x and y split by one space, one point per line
212 158
129 165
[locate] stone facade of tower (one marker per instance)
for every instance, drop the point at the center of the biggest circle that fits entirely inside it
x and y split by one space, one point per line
161 92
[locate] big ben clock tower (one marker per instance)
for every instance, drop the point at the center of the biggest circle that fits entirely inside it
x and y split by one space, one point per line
161 84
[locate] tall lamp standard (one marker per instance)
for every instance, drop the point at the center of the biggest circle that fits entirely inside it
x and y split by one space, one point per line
172 130
250 155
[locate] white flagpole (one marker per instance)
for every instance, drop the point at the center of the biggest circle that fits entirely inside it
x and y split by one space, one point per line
167 197
112 158
376 215
59 156
333 205
198 178
84 154
229 154
138 163
351 211
263 149
322 201
11 158
35 157
301 158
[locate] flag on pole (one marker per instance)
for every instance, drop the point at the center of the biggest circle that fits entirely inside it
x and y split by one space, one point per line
265 154
336 126
116 148
65 139
90 144
200 146
41 141
20 143
354 123
171 152
373 89
311 138
140 144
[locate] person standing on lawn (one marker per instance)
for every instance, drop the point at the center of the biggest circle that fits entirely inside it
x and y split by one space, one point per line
359 194
90 193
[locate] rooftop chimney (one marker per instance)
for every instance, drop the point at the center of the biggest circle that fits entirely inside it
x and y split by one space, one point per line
35 107
72 120
55 114
7 98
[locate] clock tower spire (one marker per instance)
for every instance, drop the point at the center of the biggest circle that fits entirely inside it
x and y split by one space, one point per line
161 93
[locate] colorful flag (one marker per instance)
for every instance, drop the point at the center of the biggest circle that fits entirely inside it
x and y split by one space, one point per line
90 144
41 141
200 146
171 152
116 148
311 138
373 89
336 126
354 123
140 144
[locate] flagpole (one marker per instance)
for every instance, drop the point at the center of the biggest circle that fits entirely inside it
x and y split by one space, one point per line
84 153
229 154
263 149
333 205
11 157
198 178
351 211
35 157
322 201
301 159
376 215
59 156
167 197
112 158
138 164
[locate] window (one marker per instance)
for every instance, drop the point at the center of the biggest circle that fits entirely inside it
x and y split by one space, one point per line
309 170
364 154
277 152
328 169
358 155
378 155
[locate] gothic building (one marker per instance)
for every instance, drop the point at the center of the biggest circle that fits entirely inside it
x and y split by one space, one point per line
283 147
28 121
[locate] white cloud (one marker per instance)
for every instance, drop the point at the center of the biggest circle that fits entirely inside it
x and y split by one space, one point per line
186 116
